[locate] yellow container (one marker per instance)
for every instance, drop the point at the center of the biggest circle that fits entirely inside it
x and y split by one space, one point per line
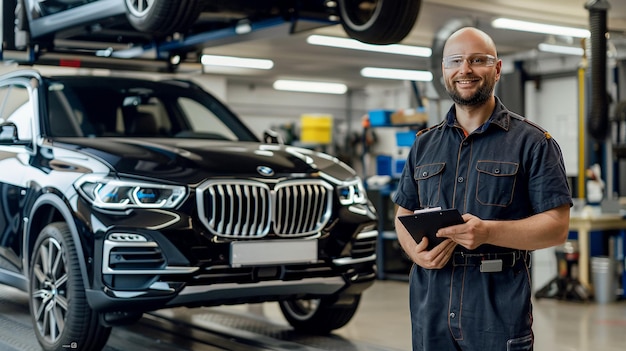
316 129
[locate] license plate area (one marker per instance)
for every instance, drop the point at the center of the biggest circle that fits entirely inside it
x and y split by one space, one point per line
271 252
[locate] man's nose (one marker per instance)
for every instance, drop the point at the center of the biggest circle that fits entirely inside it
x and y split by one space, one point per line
465 66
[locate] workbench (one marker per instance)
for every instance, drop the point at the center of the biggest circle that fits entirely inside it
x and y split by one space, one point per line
585 226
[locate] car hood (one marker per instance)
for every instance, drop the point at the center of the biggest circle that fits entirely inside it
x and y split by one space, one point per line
192 160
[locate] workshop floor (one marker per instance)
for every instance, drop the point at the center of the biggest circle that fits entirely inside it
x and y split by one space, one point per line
383 319
381 324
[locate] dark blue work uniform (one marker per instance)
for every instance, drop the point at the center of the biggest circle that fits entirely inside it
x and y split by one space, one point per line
507 169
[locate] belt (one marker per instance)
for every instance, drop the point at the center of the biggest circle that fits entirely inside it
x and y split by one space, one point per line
489 262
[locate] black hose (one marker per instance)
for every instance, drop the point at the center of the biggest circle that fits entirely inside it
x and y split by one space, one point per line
598 118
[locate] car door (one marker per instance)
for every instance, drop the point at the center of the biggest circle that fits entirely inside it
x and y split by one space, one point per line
17 114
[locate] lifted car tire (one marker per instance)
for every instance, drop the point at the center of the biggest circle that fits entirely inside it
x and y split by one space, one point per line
379 21
58 306
162 17
319 316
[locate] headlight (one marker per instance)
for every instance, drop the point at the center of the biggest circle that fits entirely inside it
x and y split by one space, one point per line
352 192
118 194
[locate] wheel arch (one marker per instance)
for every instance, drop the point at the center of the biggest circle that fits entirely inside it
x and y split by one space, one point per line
49 208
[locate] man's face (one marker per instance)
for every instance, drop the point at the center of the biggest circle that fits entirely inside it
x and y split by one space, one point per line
470 68
470 78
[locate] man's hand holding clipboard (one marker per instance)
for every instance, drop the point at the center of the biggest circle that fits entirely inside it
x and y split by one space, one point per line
427 222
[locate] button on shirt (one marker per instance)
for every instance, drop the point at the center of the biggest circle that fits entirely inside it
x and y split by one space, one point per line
509 168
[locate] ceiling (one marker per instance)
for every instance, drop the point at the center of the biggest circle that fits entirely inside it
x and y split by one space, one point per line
295 59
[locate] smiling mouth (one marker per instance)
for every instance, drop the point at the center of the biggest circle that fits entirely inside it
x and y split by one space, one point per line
467 81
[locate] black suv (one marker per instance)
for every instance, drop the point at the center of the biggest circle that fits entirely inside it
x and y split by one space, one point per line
121 196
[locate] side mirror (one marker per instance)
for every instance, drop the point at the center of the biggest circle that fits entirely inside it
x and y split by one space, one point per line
8 133
272 137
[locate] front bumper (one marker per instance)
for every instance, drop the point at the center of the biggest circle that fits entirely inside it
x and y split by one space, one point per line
138 276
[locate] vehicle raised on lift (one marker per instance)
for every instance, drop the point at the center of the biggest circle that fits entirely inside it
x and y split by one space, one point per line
96 26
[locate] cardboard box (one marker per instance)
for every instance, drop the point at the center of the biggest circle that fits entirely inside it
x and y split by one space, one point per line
409 116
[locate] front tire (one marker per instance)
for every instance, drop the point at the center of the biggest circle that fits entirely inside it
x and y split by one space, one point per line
58 306
162 17
319 316
379 21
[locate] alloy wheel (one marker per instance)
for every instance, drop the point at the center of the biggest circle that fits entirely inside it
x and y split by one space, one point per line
49 296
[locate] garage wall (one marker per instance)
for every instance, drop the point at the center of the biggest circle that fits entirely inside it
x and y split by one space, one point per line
213 84
263 107
553 104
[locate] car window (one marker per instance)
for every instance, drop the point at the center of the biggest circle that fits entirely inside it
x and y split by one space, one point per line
88 107
203 121
15 107
143 117
64 115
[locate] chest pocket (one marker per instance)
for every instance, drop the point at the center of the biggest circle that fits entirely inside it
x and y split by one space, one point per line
496 182
428 179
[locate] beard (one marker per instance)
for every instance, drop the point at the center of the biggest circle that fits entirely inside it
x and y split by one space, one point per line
481 95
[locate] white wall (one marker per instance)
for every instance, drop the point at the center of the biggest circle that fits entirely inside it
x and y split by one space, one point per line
213 84
263 107
553 104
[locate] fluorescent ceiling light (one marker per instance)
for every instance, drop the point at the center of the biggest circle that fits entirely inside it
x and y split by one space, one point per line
506 23
561 49
232 61
400 74
310 87
346 43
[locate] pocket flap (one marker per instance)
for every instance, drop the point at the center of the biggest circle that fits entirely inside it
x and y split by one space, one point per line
427 171
497 168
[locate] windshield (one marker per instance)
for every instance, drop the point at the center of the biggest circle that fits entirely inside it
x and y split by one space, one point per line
118 107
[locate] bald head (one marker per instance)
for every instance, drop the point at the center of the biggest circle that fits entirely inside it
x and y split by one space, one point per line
470 76
469 40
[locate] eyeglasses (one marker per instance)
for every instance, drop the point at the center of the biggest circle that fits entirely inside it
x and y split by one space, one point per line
478 60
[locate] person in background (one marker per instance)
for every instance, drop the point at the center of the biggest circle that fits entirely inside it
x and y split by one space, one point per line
507 178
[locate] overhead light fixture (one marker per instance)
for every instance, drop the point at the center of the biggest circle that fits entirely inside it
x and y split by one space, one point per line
524 26
561 49
346 43
233 61
310 86
399 74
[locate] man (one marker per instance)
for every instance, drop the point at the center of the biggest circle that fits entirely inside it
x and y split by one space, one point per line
507 177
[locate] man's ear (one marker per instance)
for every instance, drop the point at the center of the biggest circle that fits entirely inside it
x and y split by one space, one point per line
498 70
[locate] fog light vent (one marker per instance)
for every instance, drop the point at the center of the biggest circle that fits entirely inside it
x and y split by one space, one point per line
127 237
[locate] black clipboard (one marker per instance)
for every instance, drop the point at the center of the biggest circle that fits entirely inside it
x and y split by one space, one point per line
427 223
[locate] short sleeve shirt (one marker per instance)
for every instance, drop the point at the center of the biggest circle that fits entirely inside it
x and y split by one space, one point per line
509 168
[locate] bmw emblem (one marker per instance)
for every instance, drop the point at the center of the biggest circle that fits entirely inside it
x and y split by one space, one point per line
265 171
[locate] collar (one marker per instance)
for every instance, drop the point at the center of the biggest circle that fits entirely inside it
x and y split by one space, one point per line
499 117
